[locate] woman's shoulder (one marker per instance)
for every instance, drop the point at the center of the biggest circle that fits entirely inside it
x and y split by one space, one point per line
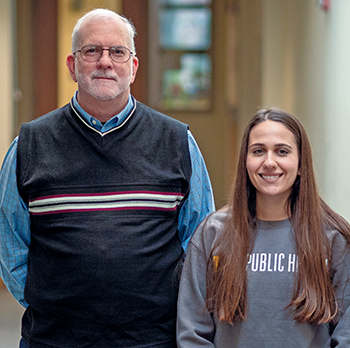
339 246
210 229
336 238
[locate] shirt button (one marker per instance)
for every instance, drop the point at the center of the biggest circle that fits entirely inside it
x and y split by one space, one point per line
94 122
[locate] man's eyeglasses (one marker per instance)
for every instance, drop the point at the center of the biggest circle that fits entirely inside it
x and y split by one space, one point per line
93 53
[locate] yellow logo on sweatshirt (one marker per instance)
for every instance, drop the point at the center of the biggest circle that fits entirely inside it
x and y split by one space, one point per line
216 262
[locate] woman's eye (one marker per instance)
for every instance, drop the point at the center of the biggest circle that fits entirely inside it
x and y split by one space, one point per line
282 152
258 151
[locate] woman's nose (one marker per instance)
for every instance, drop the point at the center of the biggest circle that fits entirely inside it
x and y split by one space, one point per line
270 161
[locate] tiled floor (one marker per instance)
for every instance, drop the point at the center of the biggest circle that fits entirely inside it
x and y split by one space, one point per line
10 320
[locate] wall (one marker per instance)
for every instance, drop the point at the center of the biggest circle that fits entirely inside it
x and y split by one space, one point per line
249 56
337 108
6 77
305 69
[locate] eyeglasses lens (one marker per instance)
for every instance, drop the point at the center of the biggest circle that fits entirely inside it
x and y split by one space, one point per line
94 53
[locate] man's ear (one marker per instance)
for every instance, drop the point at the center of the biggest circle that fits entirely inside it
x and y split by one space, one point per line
70 62
135 66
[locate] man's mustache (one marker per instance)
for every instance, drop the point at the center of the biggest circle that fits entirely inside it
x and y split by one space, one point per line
108 76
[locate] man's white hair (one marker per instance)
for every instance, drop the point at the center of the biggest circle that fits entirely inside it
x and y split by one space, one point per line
102 14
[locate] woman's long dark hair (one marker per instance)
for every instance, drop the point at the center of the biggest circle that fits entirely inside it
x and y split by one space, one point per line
313 299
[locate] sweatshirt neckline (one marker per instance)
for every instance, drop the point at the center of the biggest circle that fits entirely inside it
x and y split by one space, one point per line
277 224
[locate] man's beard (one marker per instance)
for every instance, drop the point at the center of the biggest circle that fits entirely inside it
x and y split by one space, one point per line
103 89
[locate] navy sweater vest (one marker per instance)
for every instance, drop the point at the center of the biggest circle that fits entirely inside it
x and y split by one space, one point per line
104 218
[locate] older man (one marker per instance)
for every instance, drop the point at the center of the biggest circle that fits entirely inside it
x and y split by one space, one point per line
98 201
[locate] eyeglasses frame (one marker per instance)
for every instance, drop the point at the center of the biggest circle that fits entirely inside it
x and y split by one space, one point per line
104 49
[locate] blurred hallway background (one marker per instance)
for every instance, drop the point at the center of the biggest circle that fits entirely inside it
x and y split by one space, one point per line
241 55
289 53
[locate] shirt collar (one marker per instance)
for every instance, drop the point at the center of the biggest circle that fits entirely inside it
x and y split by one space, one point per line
111 123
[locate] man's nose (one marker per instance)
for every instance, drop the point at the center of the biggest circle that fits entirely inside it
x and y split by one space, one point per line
105 59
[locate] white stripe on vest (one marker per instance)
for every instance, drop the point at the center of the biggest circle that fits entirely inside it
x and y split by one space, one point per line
105 201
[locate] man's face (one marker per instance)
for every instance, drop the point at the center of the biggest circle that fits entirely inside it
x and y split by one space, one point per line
103 79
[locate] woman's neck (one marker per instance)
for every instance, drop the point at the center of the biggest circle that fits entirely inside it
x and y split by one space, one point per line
271 209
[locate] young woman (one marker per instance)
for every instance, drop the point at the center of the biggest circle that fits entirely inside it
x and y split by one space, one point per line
272 268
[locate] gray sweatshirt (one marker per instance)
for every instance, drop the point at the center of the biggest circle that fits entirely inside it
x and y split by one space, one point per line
271 268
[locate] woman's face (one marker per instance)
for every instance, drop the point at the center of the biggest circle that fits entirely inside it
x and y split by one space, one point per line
272 160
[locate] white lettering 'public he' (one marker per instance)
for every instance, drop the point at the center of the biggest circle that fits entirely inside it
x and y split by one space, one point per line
272 262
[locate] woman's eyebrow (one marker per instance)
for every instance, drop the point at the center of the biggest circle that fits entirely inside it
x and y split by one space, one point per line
276 145
283 144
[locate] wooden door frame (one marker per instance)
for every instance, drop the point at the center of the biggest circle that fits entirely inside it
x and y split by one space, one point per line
137 12
37 69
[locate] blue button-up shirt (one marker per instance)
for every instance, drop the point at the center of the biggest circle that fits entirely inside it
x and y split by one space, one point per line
15 219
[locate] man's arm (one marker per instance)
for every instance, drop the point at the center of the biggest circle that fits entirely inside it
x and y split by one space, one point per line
14 228
200 201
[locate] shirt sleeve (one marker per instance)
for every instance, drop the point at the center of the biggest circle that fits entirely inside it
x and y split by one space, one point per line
14 229
341 283
200 201
195 325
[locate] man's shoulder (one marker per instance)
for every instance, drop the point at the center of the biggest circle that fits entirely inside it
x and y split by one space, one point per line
48 119
158 116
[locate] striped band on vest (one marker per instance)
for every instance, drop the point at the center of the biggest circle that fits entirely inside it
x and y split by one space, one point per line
105 201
